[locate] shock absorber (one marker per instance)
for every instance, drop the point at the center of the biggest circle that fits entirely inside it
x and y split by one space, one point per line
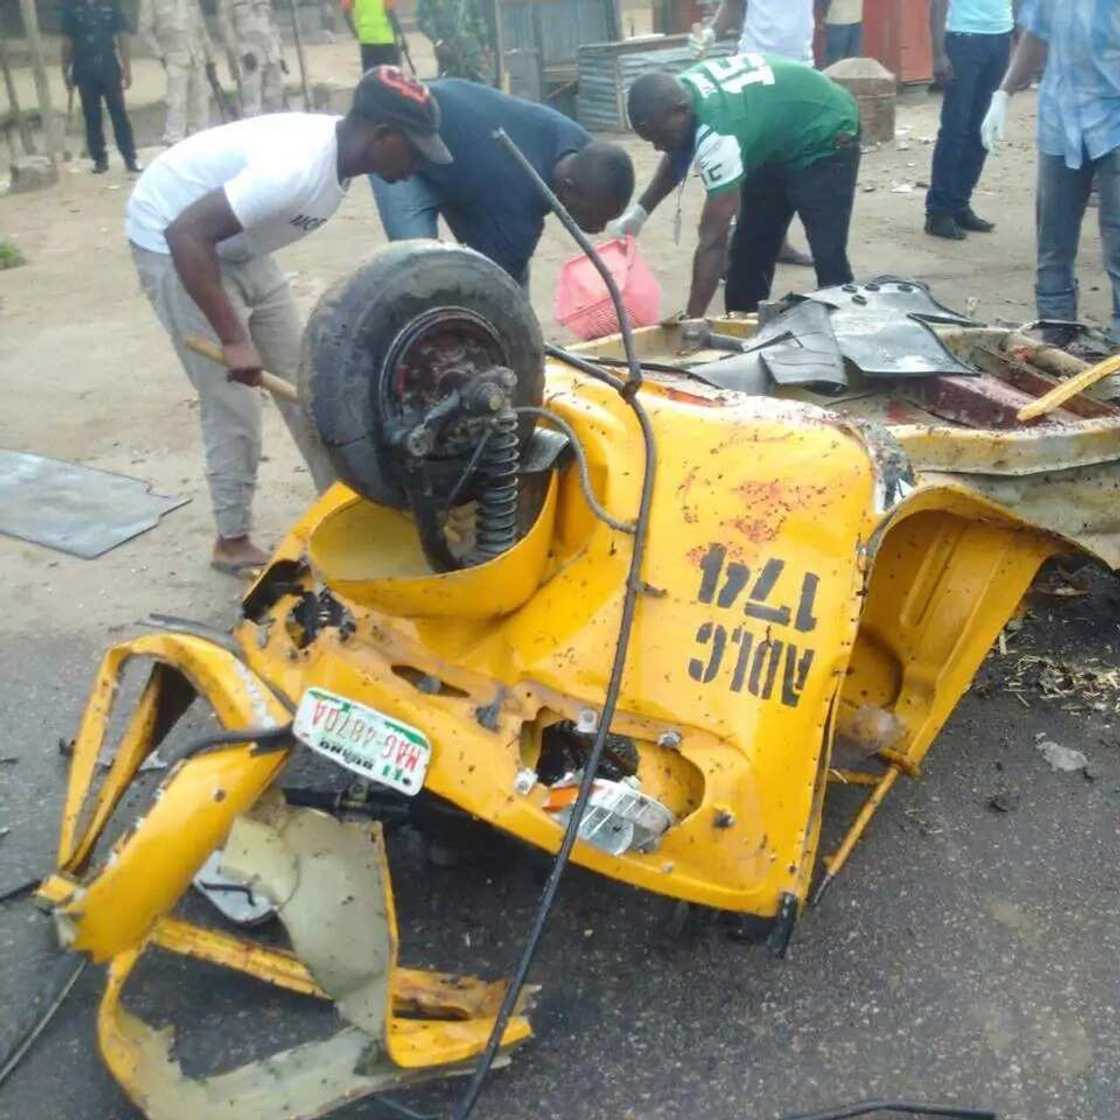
497 488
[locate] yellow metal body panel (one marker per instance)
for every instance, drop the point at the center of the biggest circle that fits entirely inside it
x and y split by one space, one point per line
787 584
739 645
196 805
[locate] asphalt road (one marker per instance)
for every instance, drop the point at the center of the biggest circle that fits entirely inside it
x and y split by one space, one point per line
966 955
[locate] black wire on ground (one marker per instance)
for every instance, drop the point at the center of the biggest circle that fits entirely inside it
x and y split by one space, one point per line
906 1107
58 988
627 390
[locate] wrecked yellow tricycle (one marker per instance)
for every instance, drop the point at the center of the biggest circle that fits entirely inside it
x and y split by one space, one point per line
566 595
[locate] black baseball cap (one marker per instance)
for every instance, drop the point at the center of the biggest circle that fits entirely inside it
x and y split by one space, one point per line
386 95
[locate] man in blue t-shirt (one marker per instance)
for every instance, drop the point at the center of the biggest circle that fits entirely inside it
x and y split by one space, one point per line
485 198
971 44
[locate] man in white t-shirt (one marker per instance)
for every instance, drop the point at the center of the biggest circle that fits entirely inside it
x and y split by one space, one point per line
778 27
781 27
203 222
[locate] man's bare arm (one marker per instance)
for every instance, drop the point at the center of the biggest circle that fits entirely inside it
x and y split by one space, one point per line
1028 59
710 259
938 16
193 239
124 51
67 61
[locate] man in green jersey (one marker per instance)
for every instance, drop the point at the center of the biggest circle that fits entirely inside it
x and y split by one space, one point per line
770 139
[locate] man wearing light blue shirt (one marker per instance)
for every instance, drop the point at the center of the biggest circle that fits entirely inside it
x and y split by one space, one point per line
1078 139
971 44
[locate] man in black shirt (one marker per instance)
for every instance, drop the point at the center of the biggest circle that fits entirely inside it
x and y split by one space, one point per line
95 58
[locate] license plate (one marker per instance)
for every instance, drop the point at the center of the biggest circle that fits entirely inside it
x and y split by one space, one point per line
363 740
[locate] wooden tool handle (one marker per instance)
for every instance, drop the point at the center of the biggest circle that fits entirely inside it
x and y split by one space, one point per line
277 386
1058 396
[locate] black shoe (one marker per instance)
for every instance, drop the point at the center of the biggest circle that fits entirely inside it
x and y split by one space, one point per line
100 166
944 225
970 220
132 167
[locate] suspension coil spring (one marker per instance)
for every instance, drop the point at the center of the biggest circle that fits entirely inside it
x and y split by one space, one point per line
498 489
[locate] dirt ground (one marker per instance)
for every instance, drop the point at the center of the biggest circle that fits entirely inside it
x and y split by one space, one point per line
91 377
982 965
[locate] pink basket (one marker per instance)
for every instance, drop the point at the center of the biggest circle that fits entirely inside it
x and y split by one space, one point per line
583 304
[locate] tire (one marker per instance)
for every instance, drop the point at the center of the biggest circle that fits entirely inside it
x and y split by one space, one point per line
353 337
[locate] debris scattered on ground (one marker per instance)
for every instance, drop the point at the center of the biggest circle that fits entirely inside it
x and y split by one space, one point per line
1061 759
1006 802
10 255
1090 685
8 760
902 188
65 747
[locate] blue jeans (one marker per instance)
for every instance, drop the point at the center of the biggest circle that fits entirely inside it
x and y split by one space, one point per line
1062 198
979 63
408 209
842 40
411 208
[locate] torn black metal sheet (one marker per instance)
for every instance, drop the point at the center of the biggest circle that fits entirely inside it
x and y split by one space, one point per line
883 327
799 347
75 509
795 347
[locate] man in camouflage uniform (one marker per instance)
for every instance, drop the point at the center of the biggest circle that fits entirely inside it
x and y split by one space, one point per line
460 37
256 58
175 32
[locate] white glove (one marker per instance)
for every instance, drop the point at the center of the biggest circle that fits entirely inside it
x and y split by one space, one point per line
700 42
994 124
630 222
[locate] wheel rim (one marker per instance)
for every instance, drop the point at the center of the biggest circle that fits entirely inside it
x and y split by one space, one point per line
435 354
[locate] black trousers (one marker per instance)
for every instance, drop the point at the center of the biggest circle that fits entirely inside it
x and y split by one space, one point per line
821 195
93 87
379 54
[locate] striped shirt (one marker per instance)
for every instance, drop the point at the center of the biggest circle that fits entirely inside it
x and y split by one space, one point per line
1079 103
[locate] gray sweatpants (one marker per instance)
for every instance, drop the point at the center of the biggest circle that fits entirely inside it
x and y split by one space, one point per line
230 412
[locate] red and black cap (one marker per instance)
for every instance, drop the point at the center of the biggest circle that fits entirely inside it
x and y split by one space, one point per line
386 95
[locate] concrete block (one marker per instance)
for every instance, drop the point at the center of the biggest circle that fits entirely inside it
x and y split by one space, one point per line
33 173
873 86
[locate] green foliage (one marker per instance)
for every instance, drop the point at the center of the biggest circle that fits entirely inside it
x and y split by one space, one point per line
10 256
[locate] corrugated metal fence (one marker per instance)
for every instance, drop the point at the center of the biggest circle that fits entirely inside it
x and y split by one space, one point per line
562 26
608 70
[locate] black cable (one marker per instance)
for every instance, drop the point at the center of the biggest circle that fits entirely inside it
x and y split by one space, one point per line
581 463
468 470
862 1109
614 687
584 365
557 207
627 390
649 367
262 737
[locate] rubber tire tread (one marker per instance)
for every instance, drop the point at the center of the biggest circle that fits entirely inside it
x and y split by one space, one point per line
354 324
